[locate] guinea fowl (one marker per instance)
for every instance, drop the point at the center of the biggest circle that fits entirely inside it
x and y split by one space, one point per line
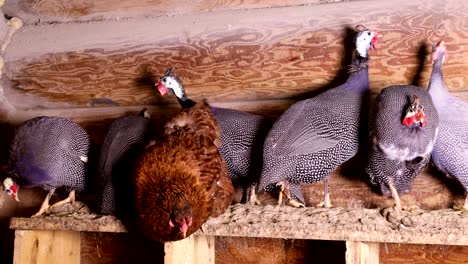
450 153
121 144
182 180
242 137
49 152
313 137
403 131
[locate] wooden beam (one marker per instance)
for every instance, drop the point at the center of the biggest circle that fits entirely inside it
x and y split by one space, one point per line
227 56
362 252
46 247
192 250
66 11
442 227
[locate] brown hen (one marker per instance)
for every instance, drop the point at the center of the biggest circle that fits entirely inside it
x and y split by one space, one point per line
182 180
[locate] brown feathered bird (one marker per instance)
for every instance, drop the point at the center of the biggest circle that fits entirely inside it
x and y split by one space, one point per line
182 180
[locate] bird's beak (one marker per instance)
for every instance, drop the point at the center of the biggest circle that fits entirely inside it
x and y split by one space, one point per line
184 229
15 196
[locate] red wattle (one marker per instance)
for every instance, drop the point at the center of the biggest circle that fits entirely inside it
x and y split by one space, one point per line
162 89
408 121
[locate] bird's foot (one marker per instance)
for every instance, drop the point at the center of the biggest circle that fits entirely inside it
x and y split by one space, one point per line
281 193
41 211
460 208
408 208
296 203
324 204
69 199
253 197
285 192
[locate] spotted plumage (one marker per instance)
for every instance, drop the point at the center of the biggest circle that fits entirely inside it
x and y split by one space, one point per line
450 153
49 152
121 144
399 152
242 137
313 137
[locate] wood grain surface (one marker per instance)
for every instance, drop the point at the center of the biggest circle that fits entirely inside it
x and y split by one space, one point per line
78 10
422 254
230 56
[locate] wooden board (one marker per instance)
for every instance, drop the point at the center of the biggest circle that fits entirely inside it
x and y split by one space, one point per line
422 254
362 253
62 11
44 247
193 249
228 56
119 248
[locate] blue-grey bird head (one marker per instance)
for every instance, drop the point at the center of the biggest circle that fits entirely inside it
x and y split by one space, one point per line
365 40
170 82
11 188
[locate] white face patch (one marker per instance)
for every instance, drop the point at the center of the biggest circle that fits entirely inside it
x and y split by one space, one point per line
172 83
363 42
7 183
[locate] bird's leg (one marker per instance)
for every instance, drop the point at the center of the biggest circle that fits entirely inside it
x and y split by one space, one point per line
326 203
252 196
69 199
280 197
395 195
285 191
45 204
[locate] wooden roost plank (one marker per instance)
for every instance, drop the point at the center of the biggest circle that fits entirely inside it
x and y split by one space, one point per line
47 247
226 56
192 250
446 227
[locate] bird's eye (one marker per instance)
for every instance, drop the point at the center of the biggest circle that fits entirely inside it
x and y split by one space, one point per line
368 33
8 191
164 79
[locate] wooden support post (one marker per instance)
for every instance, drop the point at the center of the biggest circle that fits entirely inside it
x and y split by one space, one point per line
46 247
192 250
362 252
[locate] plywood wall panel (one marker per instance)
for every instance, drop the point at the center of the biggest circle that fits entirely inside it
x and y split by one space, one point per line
62 11
276 53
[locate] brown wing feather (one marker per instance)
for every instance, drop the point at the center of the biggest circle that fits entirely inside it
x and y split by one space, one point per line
201 121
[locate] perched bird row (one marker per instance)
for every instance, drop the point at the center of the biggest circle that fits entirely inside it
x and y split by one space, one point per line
189 175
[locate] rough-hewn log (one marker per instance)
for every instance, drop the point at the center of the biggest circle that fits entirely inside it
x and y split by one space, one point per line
227 56
65 11
446 227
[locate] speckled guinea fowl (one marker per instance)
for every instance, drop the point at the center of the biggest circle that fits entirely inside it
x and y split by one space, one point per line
122 142
402 128
49 152
450 153
313 137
